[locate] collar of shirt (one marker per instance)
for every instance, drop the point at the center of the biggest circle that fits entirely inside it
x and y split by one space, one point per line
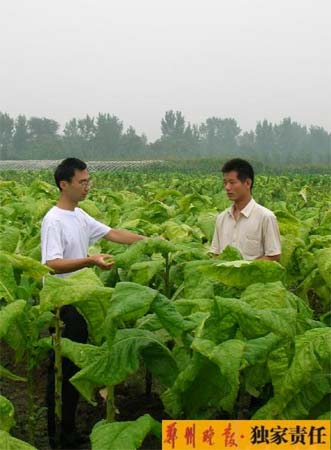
245 211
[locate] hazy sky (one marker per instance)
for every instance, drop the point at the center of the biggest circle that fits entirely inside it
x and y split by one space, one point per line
247 59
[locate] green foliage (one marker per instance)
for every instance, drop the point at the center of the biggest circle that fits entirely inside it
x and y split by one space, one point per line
6 414
210 330
123 435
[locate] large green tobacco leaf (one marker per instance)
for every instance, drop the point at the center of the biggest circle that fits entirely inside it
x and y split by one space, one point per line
177 231
79 287
104 366
31 267
274 295
288 224
255 323
143 272
9 239
170 318
123 435
197 390
130 301
314 283
6 414
233 356
9 314
230 254
206 222
228 356
137 251
8 442
196 284
324 264
243 273
305 381
7 280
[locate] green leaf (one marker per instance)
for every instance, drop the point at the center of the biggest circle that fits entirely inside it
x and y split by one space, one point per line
230 254
197 391
123 435
228 356
137 251
243 273
8 442
9 239
324 264
31 267
143 272
6 414
82 286
130 301
104 366
196 284
306 380
5 373
7 280
170 318
9 314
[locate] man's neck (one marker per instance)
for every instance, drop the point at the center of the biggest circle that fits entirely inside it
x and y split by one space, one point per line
240 205
66 203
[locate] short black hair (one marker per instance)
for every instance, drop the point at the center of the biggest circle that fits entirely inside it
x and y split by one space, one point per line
66 170
242 167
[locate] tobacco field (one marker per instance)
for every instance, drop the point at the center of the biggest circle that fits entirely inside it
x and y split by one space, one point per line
203 337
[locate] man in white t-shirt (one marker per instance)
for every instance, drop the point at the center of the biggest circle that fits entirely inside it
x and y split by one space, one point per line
246 225
66 233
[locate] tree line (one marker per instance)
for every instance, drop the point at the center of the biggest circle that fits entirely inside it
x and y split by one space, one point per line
104 138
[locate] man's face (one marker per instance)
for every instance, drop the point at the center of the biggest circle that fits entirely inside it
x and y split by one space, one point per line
236 189
79 186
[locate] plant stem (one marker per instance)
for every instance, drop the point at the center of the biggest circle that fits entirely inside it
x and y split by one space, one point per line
111 409
31 407
166 276
58 375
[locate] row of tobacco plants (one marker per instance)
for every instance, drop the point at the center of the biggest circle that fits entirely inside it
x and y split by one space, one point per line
223 338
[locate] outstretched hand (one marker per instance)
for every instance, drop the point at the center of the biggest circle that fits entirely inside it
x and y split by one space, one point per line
100 261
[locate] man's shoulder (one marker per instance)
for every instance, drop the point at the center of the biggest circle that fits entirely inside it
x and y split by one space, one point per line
263 211
51 214
222 214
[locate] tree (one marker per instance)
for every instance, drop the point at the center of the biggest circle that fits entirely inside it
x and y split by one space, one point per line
246 143
108 136
290 140
173 125
6 135
73 141
319 146
21 137
44 142
132 145
265 141
219 136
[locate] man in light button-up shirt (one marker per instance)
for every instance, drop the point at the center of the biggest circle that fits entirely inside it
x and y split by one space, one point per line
246 225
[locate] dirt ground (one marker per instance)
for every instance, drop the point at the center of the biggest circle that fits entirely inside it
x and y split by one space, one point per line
131 402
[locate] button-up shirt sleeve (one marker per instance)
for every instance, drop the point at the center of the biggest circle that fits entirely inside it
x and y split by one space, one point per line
271 236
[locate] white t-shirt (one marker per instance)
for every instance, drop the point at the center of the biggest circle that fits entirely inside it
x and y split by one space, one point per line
255 233
68 234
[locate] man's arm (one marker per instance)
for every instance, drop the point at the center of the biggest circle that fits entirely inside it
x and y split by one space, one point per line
123 236
60 265
271 236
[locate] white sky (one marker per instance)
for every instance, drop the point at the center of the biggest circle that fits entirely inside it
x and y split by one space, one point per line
247 59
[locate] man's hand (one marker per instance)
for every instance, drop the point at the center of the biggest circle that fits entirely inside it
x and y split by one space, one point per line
99 260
